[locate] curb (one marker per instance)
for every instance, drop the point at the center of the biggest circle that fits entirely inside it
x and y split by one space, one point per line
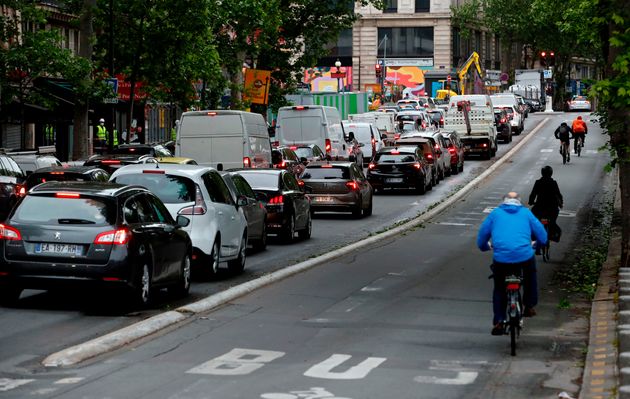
600 378
115 340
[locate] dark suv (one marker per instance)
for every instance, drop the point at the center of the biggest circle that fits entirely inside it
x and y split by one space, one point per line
502 122
66 173
11 184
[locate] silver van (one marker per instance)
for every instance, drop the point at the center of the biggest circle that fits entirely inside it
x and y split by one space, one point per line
224 139
312 124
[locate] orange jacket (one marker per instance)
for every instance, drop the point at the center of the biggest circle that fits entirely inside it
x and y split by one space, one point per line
579 126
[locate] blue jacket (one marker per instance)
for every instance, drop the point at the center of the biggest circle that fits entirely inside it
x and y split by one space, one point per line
511 228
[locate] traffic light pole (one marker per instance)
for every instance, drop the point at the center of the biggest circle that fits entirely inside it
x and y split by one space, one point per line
384 68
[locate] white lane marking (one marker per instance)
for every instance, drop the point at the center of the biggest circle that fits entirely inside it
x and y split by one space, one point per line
488 202
43 391
459 365
462 378
567 214
313 393
371 289
7 384
489 209
361 370
69 380
238 361
454 224
546 150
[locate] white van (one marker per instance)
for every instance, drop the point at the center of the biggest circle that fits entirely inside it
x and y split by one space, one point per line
509 100
312 124
224 139
367 135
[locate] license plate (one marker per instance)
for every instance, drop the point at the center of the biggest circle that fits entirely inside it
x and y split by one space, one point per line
58 249
394 180
323 199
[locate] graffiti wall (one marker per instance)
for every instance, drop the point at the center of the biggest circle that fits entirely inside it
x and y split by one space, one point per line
410 80
320 79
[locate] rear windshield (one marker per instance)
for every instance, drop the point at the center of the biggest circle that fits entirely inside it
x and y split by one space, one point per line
170 189
579 98
62 211
261 180
301 128
318 172
387 157
37 178
303 152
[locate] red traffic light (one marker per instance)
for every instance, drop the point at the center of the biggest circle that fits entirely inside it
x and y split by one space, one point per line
551 54
377 67
543 54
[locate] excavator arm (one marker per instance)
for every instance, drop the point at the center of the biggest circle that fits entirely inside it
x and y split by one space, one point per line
472 60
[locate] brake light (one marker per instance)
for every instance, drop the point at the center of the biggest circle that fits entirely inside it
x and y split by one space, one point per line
247 162
154 171
327 166
429 157
132 150
452 150
57 173
484 145
417 165
373 141
371 165
396 136
328 145
441 120
277 200
352 185
211 114
67 195
275 144
20 189
110 162
293 147
395 152
503 120
9 233
513 286
299 108
436 146
200 205
283 164
113 237
301 183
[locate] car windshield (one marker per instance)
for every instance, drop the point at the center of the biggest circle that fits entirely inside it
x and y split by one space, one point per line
303 152
333 172
53 210
390 157
170 189
261 180
579 98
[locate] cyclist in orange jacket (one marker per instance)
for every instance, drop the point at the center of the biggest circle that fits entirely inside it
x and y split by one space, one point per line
579 130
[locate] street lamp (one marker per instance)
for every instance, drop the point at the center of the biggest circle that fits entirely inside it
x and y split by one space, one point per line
339 75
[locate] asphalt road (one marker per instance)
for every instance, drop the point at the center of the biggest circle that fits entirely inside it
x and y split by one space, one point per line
413 313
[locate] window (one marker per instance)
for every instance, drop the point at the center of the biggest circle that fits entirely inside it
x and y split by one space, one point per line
391 6
478 42
52 210
457 47
217 189
160 210
290 182
423 5
243 186
317 172
170 189
138 210
406 42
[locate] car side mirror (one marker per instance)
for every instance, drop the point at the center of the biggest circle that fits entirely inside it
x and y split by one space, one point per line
182 221
241 200
304 161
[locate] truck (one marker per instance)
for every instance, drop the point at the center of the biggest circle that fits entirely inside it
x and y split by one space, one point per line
472 118
384 122
530 84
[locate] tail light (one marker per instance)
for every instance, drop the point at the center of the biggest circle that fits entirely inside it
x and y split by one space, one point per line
9 233
371 165
513 286
247 162
67 195
293 147
113 237
328 146
373 141
20 190
352 185
275 144
396 136
155 171
301 183
277 200
442 121
429 157
200 205
417 165
282 164
451 150
110 162
484 145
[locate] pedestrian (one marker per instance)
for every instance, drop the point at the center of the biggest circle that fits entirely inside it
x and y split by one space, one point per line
508 231
100 141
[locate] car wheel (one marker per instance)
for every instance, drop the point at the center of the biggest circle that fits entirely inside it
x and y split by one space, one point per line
434 179
358 209
215 258
9 296
289 231
368 211
144 286
420 187
305 233
261 244
181 288
461 167
454 169
237 265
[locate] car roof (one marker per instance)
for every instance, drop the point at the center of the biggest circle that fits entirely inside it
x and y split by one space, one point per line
69 169
333 163
268 171
410 148
169 168
91 188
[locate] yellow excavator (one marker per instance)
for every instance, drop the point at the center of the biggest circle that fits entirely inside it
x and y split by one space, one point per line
462 75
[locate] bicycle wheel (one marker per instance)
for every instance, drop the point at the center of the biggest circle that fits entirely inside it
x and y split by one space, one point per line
513 328
579 147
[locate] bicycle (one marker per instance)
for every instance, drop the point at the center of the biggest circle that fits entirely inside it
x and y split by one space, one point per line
564 150
514 312
545 249
578 145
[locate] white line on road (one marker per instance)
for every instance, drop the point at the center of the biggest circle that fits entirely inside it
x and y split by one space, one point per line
462 378
7 384
454 224
360 371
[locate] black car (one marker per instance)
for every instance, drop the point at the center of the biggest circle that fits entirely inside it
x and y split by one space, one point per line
155 150
255 211
110 163
502 122
286 158
69 234
288 207
11 184
400 167
66 173
308 153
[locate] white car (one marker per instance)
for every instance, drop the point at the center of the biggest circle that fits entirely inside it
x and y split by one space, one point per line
578 103
366 134
217 228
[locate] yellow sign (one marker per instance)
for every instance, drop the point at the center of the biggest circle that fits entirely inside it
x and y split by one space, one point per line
256 86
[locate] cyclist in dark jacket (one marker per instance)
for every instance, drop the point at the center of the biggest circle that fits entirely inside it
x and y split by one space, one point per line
546 198
564 134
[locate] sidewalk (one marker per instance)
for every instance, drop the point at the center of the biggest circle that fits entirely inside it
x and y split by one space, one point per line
608 352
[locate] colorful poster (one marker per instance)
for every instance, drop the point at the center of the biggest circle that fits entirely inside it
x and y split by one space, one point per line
320 79
409 79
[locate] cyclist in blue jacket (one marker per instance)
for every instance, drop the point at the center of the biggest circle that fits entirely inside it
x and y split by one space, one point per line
510 227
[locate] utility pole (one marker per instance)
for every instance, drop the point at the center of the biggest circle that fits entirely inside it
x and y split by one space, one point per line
384 69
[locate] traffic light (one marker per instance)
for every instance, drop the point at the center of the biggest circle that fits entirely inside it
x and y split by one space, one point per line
379 70
543 58
552 58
